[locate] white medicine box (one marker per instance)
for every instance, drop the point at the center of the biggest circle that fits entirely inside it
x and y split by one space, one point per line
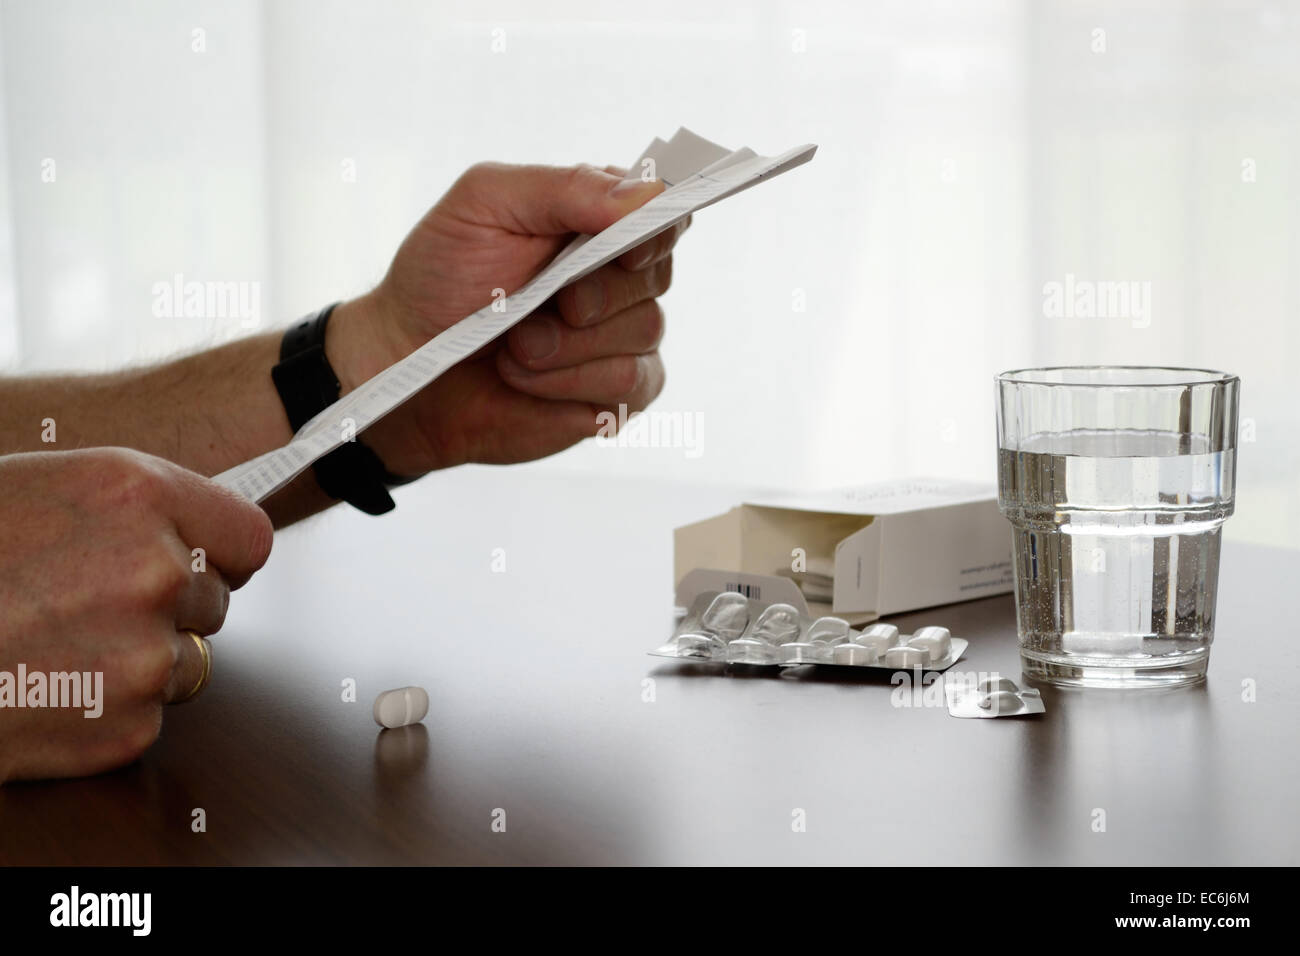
863 552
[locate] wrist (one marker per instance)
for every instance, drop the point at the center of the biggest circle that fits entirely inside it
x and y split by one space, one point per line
362 340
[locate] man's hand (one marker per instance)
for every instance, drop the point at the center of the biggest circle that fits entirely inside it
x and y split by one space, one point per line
97 574
537 391
532 393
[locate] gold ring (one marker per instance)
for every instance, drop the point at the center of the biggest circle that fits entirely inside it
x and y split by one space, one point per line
207 665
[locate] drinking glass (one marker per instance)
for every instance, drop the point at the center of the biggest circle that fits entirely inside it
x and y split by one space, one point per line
1116 481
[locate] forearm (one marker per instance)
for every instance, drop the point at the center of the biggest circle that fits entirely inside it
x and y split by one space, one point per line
207 412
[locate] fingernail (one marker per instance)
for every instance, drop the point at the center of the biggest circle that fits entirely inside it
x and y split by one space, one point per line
513 368
634 189
589 300
538 340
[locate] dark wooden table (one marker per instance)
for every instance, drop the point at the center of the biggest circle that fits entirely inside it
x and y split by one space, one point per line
538 677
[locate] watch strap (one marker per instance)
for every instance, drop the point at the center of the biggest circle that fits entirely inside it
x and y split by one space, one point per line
307 385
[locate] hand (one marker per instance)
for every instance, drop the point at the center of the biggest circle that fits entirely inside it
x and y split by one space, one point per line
539 389
97 574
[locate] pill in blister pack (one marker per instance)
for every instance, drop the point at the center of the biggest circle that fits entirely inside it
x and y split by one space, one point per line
729 628
817 644
935 640
991 697
776 626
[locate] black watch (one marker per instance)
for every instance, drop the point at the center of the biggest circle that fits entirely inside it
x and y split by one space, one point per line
307 385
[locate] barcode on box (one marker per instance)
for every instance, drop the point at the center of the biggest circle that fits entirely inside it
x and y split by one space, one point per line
748 590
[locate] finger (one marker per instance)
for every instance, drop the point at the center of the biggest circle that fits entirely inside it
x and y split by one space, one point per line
535 428
631 380
203 604
554 200
192 667
654 249
104 745
545 342
611 289
234 533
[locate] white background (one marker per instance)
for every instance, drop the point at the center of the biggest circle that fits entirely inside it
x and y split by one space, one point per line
969 154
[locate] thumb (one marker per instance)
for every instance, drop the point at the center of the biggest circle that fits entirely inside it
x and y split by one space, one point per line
553 200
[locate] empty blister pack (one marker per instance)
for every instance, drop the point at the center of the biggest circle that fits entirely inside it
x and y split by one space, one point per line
730 628
991 697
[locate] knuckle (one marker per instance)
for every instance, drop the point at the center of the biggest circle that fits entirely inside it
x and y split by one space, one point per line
590 182
475 182
581 173
479 171
139 735
156 581
111 458
149 667
129 483
577 177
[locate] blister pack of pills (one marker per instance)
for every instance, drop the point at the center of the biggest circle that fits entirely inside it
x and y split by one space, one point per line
991 697
729 628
